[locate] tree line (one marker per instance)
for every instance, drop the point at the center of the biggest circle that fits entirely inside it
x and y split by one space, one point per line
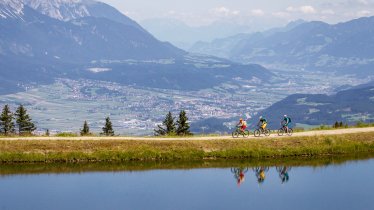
107 129
18 122
340 125
170 127
21 123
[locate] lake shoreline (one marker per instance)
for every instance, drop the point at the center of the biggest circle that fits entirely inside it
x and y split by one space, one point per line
56 168
52 151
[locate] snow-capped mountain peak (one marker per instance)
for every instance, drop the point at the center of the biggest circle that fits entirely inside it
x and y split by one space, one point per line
64 10
11 9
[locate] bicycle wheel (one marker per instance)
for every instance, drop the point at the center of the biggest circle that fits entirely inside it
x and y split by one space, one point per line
290 132
257 133
235 134
246 134
280 132
234 170
267 132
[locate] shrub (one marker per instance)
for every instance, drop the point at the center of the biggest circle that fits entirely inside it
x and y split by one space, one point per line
66 134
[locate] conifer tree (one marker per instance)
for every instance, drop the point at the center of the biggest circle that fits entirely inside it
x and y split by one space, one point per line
85 130
23 120
168 126
6 121
336 125
183 128
108 128
341 124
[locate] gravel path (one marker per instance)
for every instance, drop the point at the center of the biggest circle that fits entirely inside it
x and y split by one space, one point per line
307 133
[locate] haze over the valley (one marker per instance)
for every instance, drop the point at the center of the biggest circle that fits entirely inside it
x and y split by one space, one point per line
186 22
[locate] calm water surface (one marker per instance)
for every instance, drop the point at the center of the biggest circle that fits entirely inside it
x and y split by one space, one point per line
349 185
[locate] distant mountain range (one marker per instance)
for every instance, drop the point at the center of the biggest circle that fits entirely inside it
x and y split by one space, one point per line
43 40
223 47
345 47
184 36
350 106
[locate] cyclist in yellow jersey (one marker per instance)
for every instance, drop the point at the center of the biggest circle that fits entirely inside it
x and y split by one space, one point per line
262 123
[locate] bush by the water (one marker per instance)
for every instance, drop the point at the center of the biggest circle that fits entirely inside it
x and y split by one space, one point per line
66 134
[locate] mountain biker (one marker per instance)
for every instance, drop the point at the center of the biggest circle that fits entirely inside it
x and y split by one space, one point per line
260 174
286 122
239 174
283 174
240 178
262 123
242 124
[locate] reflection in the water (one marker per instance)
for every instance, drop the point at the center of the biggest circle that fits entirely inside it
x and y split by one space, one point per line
283 173
239 174
260 173
313 184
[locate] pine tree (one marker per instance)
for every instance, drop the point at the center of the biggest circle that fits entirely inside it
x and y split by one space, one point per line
6 121
23 120
160 131
336 125
183 128
108 128
341 124
86 130
168 126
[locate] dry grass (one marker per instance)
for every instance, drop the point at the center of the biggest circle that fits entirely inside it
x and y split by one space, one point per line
116 150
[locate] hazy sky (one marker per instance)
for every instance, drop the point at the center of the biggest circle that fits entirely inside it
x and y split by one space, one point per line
204 12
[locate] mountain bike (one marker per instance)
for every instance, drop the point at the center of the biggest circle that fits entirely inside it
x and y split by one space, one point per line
238 132
283 130
283 173
260 131
260 173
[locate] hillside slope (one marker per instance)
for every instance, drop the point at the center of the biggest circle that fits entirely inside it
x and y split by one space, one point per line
345 48
349 106
42 41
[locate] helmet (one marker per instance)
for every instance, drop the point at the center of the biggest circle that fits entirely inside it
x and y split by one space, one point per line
260 117
285 115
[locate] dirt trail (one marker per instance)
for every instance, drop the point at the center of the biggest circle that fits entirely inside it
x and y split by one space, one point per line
307 133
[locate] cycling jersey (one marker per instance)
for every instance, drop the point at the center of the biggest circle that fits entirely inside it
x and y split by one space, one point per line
287 121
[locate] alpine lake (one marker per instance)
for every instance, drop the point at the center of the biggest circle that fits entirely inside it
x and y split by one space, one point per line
308 183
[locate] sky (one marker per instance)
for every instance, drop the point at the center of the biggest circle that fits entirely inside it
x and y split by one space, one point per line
271 12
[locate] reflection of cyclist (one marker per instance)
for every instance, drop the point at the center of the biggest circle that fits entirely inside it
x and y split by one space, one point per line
239 174
260 174
286 122
283 173
242 124
262 123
